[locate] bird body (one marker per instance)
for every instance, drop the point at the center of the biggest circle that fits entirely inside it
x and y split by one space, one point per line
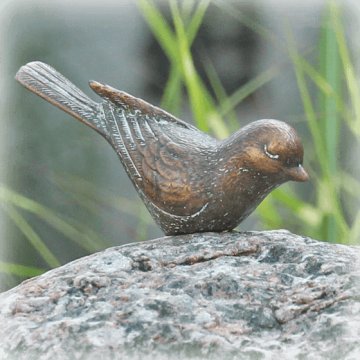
189 181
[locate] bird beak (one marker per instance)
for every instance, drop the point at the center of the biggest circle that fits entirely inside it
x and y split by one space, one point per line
298 174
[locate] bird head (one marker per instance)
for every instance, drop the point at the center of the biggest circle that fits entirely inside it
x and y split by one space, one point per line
271 148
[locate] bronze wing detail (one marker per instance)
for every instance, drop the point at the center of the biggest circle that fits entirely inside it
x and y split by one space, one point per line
158 151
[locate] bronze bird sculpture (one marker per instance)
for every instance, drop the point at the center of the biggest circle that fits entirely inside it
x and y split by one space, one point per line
189 181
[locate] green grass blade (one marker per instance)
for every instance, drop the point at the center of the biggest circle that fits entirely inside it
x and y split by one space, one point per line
330 122
172 96
244 91
221 96
143 224
178 57
329 67
199 103
327 90
354 235
159 27
308 214
163 32
348 68
318 78
186 9
196 20
20 270
191 32
91 197
328 201
84 240
269 214
350 185
230 8
33 238
217 125
310 113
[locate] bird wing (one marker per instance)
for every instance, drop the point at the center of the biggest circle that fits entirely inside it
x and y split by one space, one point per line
160 153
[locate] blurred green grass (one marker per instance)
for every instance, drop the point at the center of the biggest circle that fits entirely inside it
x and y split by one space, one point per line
330 95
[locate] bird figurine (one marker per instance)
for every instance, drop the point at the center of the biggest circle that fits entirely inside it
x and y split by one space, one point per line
189 181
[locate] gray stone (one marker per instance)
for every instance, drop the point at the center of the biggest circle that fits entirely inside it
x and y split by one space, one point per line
253 295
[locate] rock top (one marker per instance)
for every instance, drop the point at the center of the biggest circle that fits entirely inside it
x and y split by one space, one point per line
250 295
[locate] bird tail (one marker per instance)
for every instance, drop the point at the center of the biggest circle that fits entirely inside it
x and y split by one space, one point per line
49 84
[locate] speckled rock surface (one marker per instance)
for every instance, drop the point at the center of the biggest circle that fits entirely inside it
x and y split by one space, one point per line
254 295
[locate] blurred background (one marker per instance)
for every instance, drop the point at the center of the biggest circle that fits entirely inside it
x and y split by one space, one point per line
218 65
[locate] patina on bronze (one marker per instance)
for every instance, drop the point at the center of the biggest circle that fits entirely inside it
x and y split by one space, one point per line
189 181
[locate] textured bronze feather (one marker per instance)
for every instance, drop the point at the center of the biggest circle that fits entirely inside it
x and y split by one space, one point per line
189 181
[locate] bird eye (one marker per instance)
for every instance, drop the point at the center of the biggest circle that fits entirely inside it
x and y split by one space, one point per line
269 154
292 162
